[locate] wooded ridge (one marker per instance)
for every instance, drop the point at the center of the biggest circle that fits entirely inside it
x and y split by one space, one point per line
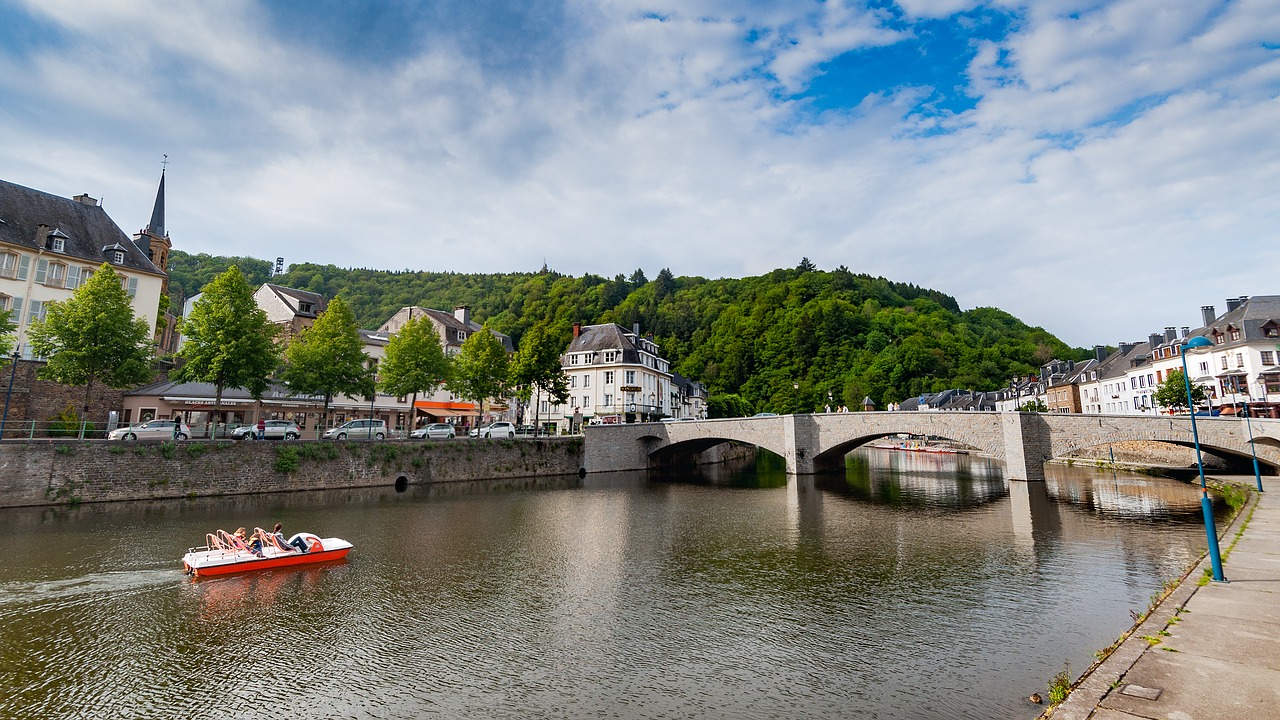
839 335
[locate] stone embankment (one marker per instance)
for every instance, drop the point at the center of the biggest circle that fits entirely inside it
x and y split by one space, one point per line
46 473
1148 452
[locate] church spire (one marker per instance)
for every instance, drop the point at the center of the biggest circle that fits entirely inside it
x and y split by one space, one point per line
156 226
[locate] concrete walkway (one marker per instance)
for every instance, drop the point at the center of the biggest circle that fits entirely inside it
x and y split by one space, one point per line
1221 657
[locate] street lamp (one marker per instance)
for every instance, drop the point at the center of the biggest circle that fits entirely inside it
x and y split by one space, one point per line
1248 421
796 387
13 371
1206 507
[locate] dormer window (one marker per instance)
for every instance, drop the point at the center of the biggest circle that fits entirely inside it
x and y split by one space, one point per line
305 307
56 241
1234 332
114 253
1271 329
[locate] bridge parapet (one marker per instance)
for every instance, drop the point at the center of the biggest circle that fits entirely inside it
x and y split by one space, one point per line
814 443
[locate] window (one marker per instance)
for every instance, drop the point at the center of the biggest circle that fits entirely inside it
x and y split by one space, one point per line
608 378
57 275
631 377
1239 359
15 309
130 285
24 266
573 359
73 277
586 381
56 244
1224 362
1268 357
1272 331
573 381
610 356
586 401
1204 368
36 310
8 264
608 399
117 257
305 307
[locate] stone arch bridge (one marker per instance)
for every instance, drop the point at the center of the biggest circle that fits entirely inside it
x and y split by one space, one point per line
818 443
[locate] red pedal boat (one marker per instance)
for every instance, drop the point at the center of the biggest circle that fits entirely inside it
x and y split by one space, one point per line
225 553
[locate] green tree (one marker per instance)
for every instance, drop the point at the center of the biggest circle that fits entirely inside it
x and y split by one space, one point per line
7 334
1172 393
480 368
1036 406
229 342
94 336
415 362
727 406
536 369
328 358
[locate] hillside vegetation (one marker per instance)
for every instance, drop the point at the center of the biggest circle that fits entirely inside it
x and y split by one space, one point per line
836 334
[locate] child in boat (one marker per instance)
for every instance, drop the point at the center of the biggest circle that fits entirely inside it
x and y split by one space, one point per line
254 546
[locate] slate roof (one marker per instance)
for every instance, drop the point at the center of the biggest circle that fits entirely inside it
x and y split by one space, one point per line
450 321
609 336
87 228
293 297
171 388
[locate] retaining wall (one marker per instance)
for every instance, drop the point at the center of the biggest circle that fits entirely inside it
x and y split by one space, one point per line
51 473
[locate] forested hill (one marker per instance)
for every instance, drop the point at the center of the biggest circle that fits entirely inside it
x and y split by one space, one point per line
835 332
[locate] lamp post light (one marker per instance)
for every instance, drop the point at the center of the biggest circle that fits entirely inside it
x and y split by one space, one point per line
13 371
796 387
1206 507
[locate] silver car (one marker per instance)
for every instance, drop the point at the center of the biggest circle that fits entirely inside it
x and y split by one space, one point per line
152 430
274 430
444 431
496 430
358 430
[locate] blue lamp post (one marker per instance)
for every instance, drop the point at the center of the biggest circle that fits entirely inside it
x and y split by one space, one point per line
1210 528
1248 421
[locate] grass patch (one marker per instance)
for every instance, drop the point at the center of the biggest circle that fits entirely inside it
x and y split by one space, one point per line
1060 685
287 459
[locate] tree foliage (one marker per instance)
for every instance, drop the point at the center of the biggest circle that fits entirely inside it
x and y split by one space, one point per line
8 334
536 367
1033 406
229 340
415 361
480 368
188 274
94 336
1172 393
840 332
328 358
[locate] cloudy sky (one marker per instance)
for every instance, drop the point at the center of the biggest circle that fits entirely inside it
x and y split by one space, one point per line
1099 168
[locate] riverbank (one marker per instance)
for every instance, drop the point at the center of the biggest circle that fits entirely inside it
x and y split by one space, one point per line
1207 650
69 472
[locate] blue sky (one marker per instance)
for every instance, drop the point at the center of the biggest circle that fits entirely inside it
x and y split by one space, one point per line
1098 168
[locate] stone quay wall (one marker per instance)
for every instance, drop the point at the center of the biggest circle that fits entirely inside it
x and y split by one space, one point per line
55 473
42 400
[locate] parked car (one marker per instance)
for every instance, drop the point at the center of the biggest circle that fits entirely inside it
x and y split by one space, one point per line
498 429
358 430
151 430
526 431
274 430
433 431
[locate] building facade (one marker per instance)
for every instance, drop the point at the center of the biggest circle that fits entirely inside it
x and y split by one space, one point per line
615 376
51 245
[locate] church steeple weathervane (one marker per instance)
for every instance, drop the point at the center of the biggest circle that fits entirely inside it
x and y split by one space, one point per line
156 226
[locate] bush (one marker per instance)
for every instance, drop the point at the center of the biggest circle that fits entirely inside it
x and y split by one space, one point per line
65 423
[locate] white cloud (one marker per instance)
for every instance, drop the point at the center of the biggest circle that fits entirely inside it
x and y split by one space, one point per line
1111 157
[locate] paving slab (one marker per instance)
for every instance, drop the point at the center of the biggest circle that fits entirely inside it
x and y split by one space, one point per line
1199 688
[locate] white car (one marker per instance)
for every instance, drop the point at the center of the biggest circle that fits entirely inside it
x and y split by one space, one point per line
495 430
443 431
152 430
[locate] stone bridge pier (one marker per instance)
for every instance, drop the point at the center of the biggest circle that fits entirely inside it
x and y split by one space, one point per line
818 443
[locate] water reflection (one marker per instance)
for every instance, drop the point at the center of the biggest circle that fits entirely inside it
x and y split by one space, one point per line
911 586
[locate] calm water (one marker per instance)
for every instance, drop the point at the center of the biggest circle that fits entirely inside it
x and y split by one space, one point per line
914 587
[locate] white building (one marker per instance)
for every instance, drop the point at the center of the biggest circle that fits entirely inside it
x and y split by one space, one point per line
50 245
615 376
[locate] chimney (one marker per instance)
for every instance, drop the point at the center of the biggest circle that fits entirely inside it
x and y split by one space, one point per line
463 314
42 234
635 329
577 329
1207 315
1155 339
84 199
1125 347
1185 332
1170 334
1233 303
1099 352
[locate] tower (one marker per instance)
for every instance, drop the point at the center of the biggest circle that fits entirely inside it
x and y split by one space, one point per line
153 240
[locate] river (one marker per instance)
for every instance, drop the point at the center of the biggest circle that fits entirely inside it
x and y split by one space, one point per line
915 586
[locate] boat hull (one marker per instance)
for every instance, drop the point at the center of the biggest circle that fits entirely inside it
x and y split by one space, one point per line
206 563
